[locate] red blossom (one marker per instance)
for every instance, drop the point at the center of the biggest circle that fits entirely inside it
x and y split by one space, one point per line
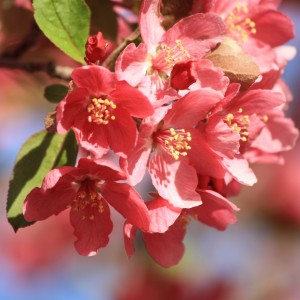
87 190
95 48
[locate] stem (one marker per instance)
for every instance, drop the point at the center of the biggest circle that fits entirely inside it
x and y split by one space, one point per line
114 55
52 70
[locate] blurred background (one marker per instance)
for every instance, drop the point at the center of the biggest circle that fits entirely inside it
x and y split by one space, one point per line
258 258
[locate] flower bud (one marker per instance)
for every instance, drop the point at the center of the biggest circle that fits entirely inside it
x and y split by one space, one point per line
181 76
95 48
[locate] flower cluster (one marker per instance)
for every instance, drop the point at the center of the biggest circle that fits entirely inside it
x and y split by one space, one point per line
191 105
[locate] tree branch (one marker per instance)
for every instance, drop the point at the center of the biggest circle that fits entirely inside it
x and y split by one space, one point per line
51 69
114 55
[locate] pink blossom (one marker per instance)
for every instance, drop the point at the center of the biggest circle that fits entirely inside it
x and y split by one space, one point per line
165 245
100 110
279 135
252 23
86 190
162 49
167 142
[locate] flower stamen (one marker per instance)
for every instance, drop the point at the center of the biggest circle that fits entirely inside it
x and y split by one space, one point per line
176 142
240 26
100 111
238 124
87 199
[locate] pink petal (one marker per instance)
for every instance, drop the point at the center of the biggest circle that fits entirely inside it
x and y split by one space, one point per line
220 138
208 30
194 107
121 133
279 134
209 76
127 202
216 211
149 22
201 156
166 248
272 21
96 170
53 176
263 55
255 102
132 100
136 163
240 170
92 137
56 194
162 215
92 229
70 109
176 181
132 64
129 236
97 80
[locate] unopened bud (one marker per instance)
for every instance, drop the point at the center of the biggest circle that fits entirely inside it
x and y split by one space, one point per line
95 48
181 76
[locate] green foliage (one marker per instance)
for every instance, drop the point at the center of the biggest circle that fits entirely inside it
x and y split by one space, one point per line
40 153
55 92
66 23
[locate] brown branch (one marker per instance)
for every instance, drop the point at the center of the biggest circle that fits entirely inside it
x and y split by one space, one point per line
114 55
51 69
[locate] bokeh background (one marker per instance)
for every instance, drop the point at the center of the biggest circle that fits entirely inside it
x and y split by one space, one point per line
258 258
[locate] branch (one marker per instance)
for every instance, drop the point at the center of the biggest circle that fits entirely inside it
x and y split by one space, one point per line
51 69
114 55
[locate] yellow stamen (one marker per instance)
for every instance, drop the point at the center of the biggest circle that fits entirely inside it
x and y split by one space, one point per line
240 26
177 143
100 111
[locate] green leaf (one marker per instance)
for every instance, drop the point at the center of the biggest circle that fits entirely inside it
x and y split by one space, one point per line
55 92
66 23
40 153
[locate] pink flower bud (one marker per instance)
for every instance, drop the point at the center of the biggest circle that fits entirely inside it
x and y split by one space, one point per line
181 76
95 48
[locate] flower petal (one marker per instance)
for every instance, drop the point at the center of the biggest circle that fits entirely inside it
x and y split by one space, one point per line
122 133
166 248
69 109
216 211
268 22
175 180
239 168
127 202
52 198
96 170
208 30
97 80
132 64
92 137
149 22
194 107
203 158
132 100
136 164
129 236
92 229
162 214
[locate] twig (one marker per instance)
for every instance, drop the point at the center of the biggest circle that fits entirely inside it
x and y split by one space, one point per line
114 55
51 69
